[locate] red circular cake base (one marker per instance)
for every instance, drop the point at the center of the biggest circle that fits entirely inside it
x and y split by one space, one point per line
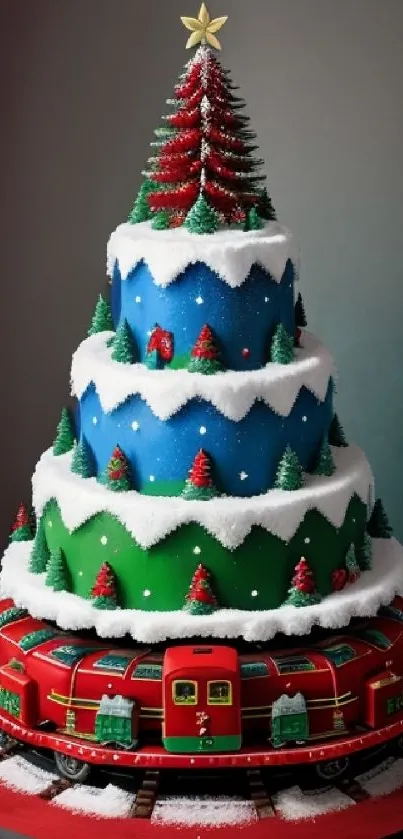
33 817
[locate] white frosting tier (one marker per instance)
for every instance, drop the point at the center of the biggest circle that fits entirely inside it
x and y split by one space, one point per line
233 393
373 589
228 519
229 253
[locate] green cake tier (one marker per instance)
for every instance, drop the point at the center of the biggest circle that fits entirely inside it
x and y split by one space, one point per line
255 575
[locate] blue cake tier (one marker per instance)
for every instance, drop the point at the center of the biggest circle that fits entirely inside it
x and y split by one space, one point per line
245 453
182 282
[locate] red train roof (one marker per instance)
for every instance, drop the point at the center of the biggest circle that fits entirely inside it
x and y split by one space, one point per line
200 657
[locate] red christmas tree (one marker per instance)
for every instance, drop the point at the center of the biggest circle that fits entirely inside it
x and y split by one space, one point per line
302 591
204 154
103 592
200 599
199 485
117 474
21 530
205 355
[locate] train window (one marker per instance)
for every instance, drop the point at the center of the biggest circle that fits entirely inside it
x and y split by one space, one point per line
184 692
391 612
374 637
219 693
118 663
292 664
249 669
34 639
153 672
69 653
339 654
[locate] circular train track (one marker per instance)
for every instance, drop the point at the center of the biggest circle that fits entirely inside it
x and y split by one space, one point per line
259 786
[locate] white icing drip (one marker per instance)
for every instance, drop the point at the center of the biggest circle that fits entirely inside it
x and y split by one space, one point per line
229 519
229 253
233 392
362 599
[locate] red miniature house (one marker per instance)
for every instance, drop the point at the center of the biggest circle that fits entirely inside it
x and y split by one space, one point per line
201 698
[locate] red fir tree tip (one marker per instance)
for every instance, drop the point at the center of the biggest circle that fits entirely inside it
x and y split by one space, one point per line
303 577
22 518
200 473
104 585
117 466
201 599
205 344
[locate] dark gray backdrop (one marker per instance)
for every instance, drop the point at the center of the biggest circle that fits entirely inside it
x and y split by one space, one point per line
83 84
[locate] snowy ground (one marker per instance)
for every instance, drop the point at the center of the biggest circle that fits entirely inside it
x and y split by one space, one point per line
292 804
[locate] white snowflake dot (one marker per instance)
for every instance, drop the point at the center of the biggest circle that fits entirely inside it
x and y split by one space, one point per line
104 540
202 429
109 686
307 540
243 476
149 333
199 301
146 592
80 573
304 419
50 523
137 299
254 593
196 550
152 478
135 425
95 420
267 299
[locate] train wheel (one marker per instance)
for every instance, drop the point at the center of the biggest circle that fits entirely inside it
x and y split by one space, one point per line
6 741
332 770
71 768
398 745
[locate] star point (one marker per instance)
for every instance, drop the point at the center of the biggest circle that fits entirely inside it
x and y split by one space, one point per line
203 29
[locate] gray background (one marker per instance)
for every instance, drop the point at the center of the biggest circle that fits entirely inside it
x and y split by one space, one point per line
83 84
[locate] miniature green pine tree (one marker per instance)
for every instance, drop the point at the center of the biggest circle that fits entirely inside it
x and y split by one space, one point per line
253 220
40 553
57 576
337 436
153 360
265 207
282 347
123 345
65 436
83 463
289 471
364 553
141 209
300 316
202 218
353 569
161 220
103 592
117 474
378 526
102 317
325 464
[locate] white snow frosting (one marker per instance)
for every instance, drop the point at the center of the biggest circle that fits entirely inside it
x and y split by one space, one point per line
228 519
373 589
232 392
229 253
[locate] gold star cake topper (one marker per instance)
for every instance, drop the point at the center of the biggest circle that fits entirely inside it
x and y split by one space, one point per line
203 28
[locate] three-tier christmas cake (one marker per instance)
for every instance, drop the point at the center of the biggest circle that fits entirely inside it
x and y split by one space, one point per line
202 486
